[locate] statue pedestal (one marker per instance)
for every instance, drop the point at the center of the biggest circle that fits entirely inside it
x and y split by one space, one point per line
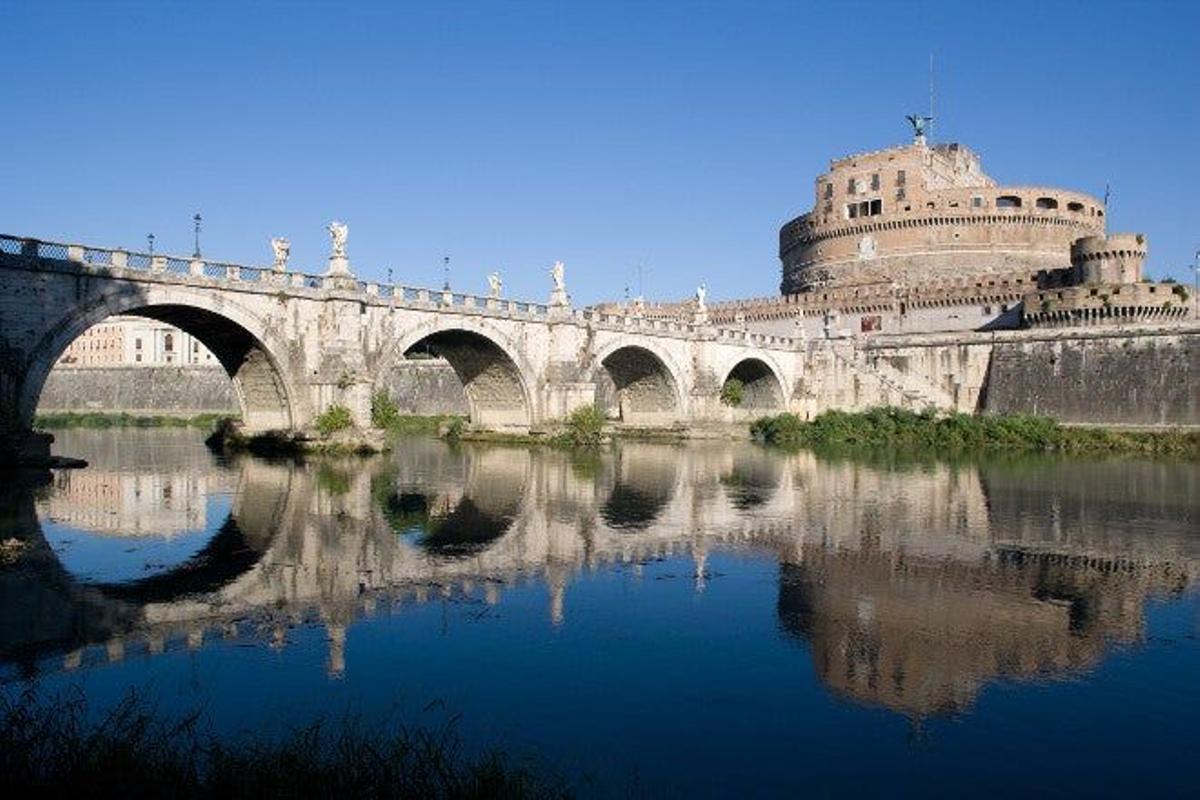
339 276
339 266
559 297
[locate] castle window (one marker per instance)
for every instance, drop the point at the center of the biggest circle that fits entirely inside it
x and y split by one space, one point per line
851 186
137 344
1047 202
828 191
1076 207
901 177
876 207
875 181
169 343
1008 201
900 195
851 210
976 202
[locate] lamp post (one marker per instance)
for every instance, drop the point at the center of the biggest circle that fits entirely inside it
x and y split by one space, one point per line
446 273
150 242
1196 283
196 230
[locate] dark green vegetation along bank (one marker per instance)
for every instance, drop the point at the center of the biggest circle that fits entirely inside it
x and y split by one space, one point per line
958 433
50 749
71 419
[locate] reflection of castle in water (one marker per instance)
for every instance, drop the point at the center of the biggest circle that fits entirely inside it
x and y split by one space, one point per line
912 588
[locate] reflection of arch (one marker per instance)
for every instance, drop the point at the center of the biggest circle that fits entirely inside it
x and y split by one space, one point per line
753 480
46 608
461 520
762 388
462 530
645 483
226 557
237 338
495 377
639 384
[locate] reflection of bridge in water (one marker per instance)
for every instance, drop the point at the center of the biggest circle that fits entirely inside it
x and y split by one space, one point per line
912 587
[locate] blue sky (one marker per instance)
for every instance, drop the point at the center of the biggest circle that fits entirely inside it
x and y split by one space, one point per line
678 136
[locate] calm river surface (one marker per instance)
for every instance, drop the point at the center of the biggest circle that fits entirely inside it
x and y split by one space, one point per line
691 620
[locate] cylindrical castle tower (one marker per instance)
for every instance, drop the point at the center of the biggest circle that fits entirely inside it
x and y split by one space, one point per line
1117 258
917 214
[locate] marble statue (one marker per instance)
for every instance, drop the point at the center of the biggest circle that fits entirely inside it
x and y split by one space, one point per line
283 250
701 296
495 285
338 232
558 296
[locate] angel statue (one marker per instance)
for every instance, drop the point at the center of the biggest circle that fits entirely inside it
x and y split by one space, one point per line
338 232
919 124
557 275
701 295
283 251
495 285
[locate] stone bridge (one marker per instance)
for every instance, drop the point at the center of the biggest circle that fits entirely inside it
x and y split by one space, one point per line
296 344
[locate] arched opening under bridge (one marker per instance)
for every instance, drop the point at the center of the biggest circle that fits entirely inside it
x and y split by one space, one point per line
753 386
636 387
495 390
153 360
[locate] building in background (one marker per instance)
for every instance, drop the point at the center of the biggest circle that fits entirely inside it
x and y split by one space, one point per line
135 342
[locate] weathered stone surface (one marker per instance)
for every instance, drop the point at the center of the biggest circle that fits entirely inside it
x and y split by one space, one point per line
182 391
1129 380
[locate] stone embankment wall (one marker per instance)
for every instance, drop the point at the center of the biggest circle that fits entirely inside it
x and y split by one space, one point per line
1147 380
1119 376
176 391
418 387
426 387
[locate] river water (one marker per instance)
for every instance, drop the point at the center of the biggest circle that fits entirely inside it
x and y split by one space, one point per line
676 620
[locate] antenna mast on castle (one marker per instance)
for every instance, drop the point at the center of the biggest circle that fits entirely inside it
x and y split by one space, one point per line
931 95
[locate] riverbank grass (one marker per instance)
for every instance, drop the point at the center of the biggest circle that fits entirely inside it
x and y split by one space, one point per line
895 428
59 420
51 749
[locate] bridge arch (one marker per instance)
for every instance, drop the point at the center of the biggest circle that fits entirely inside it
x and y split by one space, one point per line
496 377
639 383
762 384
253 357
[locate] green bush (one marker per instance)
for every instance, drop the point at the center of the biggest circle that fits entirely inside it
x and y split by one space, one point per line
333 419
455 429
733 392
384 411
928 431
585 426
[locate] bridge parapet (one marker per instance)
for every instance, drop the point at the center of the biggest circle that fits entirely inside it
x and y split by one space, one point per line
196 271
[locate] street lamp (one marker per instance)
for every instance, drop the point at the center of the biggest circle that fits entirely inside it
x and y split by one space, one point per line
150 242
1196 283
196 229
446 273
